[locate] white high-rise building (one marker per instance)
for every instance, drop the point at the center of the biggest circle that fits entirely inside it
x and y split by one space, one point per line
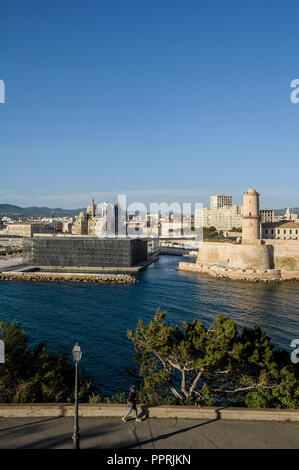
220 200
266 215
222 214
222 218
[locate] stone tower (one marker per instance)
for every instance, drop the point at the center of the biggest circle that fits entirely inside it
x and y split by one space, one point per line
250 217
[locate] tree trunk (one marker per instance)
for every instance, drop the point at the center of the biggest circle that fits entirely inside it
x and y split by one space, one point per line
183 385
176 393
195 382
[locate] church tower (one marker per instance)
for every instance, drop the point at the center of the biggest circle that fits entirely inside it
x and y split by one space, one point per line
91 208
250 217
288 215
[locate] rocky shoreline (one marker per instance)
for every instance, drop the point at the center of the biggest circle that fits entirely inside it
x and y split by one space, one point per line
68 277
248 275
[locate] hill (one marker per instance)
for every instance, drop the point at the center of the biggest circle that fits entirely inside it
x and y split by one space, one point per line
294 210
10 210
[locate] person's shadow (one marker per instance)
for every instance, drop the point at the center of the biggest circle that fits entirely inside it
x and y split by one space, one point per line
145 414
145 411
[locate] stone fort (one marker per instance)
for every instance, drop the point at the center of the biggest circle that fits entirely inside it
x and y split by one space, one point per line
251 258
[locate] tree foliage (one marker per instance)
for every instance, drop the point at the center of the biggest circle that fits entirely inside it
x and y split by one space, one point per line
210 231
218 365
35 375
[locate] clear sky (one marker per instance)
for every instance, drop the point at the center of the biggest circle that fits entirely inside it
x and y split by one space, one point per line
160 99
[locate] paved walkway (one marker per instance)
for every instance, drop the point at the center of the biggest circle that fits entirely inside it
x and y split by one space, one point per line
109 433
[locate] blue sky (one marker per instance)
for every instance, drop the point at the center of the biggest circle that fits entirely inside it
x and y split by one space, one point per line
160 99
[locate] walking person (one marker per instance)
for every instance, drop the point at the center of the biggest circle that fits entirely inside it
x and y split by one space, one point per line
132 403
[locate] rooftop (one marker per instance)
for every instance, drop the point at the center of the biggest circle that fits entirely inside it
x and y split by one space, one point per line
281 224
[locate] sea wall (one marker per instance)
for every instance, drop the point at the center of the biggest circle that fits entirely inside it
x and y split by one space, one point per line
287 275
235 256
268 260
235 274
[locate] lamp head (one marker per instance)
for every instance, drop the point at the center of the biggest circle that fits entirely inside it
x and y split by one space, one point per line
77 352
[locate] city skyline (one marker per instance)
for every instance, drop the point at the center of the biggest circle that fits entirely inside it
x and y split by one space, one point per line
76 201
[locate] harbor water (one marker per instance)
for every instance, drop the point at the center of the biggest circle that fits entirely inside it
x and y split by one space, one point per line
99 315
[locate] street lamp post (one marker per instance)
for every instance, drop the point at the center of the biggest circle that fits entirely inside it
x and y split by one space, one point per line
2 352
77 354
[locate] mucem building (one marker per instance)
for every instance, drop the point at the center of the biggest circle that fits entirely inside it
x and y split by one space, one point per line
84 251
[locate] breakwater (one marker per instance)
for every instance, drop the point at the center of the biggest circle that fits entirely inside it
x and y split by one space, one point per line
68 277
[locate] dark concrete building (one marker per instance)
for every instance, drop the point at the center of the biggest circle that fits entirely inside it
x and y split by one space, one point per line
84 251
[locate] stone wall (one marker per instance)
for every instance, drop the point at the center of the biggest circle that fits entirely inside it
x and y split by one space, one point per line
253 275
96 410
231 255
263 260
286 254
84 251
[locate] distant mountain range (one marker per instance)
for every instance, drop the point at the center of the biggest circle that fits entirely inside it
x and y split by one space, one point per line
9 210
16 212
294 210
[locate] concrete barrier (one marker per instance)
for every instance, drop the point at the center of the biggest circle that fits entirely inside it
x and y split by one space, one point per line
98 410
